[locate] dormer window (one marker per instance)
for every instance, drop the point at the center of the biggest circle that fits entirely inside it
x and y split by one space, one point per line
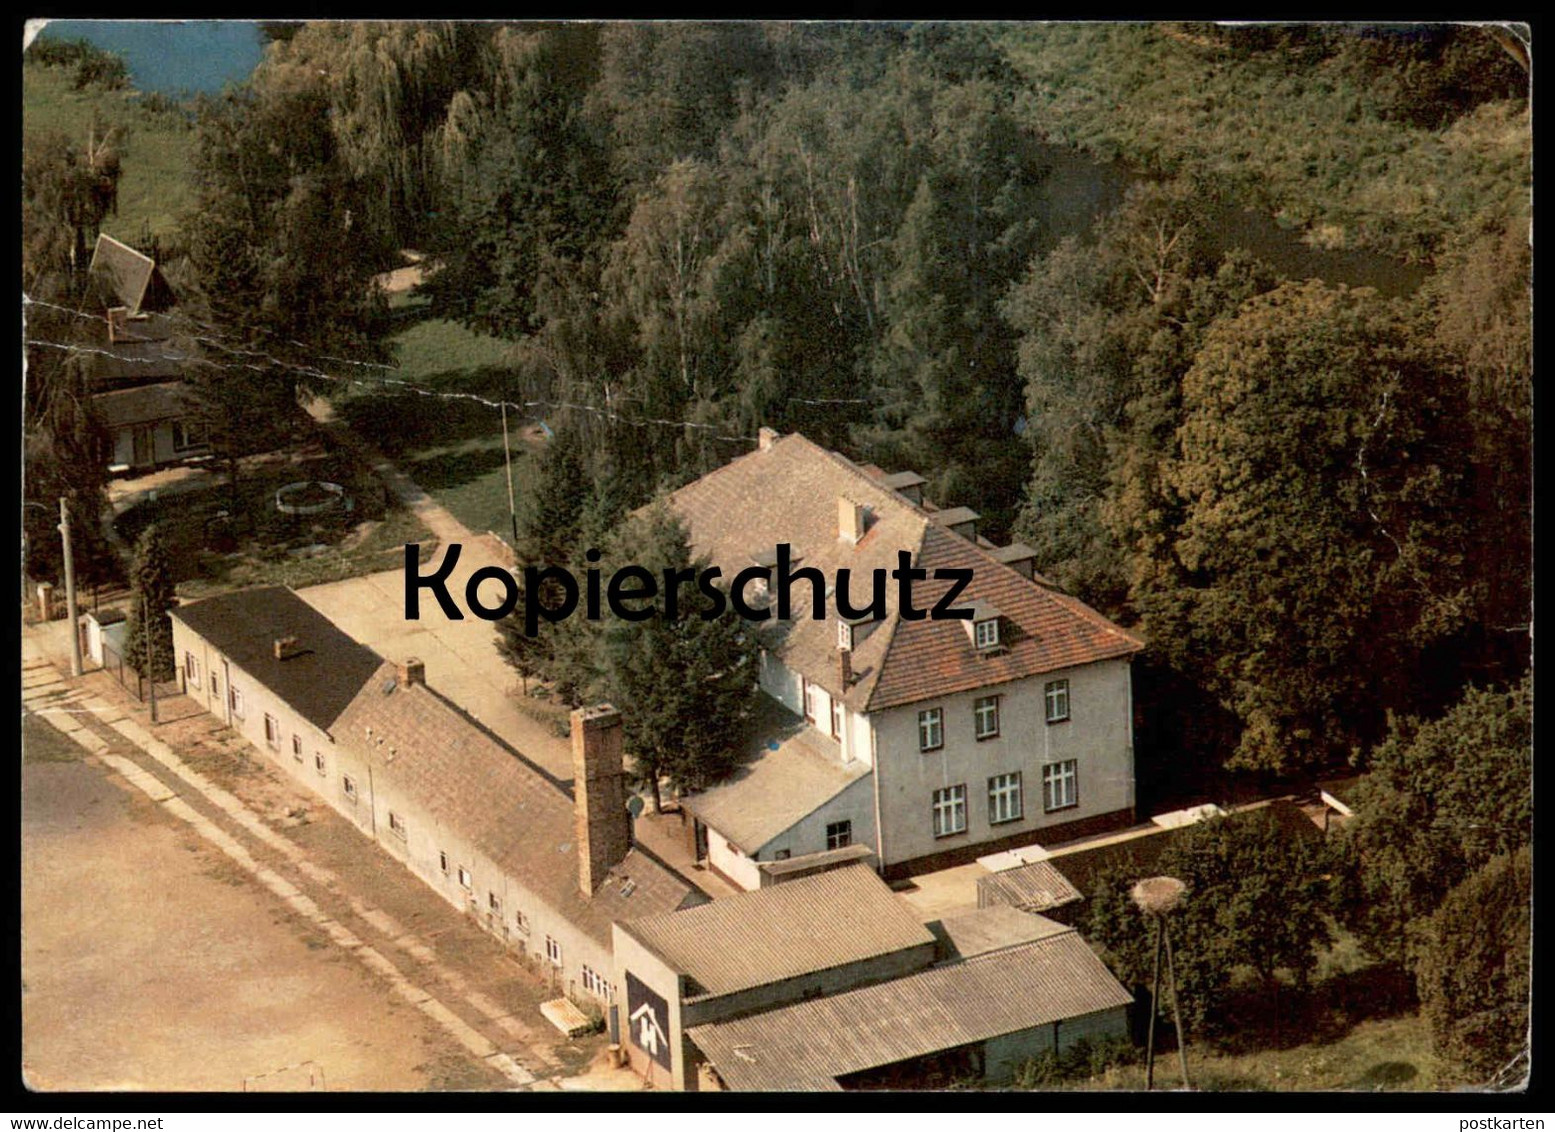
983 627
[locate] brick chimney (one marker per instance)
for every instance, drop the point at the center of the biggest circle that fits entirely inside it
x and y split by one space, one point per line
117 317
766 438
286 648
604 828
412 671
845 667
851 519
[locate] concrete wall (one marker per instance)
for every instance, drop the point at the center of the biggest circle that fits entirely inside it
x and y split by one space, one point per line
788 688
216 677
1098 735
731 862
812 984
522 921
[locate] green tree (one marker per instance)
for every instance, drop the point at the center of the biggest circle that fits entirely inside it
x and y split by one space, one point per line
1321 491
68 190
1254 899
549 518
281 244
1442 798
1474 972
686 685
531 656
149 630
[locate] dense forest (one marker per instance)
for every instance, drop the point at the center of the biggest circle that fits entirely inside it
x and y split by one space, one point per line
1312 498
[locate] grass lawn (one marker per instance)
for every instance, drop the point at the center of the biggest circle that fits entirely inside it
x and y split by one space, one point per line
156 146
452 448
256 544
1356 1028
1383 1054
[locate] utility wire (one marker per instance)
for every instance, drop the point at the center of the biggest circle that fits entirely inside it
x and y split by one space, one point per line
270 361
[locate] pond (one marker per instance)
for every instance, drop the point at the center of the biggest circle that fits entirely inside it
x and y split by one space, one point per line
173 57
1080 188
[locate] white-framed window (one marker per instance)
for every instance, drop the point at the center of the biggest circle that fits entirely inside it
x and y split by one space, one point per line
1060 785
931 729
272 731
985 717
553 951
986 633
191 670
465 879
188 435
809 701
839 834
348 785
950 811
1056 693
595 983
1004 801
235 698
844 635
319 764
521 921
836 718
297 747
442 862
494 903
397 826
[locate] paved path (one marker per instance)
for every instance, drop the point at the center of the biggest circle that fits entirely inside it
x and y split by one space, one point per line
460 656
502 1031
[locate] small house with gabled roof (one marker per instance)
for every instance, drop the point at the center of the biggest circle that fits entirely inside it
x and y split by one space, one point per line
137 376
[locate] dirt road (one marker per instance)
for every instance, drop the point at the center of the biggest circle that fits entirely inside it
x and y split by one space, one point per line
150 962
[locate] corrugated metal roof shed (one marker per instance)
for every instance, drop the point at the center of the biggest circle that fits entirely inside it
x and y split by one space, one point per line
1005 992
842 916
992 929
1037 887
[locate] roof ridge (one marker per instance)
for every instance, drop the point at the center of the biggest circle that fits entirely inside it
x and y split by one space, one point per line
1068 601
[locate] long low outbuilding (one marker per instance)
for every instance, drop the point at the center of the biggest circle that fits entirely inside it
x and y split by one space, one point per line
491 833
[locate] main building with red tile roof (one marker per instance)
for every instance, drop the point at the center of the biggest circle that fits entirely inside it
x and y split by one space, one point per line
949 738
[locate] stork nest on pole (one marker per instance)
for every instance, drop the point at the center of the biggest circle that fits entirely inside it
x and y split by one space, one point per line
1156 896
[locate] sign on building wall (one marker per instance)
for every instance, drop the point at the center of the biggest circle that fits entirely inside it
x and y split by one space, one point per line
647 1017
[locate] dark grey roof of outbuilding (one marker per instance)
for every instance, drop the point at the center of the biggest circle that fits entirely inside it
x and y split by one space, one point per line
143 404
318 682
808 1045
815 923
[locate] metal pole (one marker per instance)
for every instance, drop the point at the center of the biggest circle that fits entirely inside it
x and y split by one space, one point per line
1182 1049
507 455
70 590
1155 1002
